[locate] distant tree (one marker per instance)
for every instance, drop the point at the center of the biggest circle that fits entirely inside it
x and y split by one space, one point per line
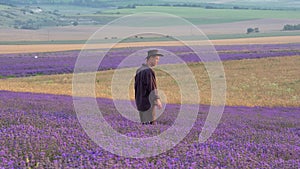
287 27
238 7
166 4
18 24
29 24
250 30
210 7
75 23
291 27
128 6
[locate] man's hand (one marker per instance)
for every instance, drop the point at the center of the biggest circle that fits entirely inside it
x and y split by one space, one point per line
158 104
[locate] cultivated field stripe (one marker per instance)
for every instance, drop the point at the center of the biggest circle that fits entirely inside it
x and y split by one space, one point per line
249 83
5 49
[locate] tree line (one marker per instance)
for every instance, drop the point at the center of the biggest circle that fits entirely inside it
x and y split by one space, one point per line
130 4
291 27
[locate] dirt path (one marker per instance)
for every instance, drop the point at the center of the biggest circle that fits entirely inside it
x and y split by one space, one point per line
4 49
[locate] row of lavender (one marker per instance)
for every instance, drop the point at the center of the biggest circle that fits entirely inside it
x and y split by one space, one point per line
19 65
42 131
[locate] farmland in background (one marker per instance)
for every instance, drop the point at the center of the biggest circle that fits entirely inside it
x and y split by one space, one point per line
236 4
56 23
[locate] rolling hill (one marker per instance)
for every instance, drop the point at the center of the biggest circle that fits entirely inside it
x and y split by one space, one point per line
30 17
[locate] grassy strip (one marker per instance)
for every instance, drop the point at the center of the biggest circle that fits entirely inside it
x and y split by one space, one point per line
225 14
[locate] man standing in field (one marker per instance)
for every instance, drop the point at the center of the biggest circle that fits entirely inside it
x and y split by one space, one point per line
146 96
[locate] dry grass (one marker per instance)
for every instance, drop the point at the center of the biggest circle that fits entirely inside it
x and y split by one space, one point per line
64 47
255 82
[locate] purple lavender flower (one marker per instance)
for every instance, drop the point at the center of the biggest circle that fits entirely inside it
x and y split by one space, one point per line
42 129
18 65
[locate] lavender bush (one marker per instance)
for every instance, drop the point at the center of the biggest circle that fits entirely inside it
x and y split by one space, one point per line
19 65
42 131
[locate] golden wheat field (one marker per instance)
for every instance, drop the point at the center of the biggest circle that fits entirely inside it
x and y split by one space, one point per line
255 82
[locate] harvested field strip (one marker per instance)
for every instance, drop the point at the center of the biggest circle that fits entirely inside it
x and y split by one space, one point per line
65 47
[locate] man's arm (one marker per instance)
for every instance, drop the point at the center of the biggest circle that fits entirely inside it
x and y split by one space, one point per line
157 102
153 86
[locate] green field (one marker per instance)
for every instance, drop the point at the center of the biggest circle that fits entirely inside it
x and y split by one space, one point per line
2 7
214 15
197 16
277 4
188 12
201 16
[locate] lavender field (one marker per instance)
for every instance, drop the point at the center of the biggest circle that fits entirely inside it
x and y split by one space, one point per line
42 131
228 82
20 65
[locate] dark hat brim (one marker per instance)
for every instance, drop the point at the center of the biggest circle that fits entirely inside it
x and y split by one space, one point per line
157 54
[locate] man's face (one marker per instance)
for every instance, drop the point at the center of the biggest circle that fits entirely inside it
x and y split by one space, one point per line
153 61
